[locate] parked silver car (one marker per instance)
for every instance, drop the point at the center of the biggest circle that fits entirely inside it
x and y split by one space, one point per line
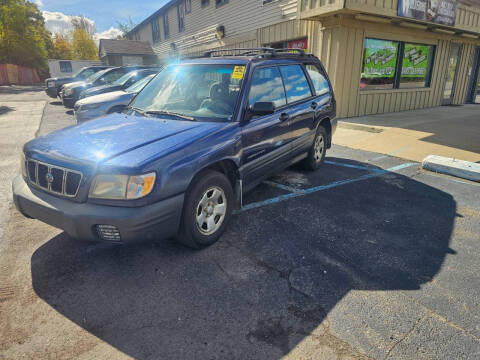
99 105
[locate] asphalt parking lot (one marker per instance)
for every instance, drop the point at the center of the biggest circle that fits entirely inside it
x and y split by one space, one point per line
368 257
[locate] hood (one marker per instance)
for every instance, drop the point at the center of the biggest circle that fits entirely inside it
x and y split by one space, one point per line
62 79
97 141
74 84
114 96
102 89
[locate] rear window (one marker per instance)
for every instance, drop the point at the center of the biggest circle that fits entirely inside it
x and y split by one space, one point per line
319 81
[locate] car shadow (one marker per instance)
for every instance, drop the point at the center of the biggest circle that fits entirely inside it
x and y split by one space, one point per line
265 286
56 103
5 109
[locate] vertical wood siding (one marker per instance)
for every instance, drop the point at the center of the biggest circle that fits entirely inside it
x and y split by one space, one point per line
463 78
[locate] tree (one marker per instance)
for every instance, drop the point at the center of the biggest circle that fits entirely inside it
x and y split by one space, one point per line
125 28
83 45
22 34
61 48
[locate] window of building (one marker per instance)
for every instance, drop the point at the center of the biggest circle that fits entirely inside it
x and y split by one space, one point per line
181 16
379 64
166 30
66 66
188 6
220 2
382 68
205 3
416 65
268 1
155 31
296 83
267 86
319 81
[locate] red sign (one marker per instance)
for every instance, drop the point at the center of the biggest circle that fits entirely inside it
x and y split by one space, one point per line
298 44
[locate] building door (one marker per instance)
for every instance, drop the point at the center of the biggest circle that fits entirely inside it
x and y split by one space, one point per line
474 93
451 75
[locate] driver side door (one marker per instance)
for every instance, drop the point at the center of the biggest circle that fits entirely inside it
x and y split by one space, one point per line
265 138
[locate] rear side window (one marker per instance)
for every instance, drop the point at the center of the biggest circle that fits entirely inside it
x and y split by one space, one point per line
267 86
296 83
319 81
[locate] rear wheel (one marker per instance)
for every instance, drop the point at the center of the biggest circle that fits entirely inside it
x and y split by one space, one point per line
207 210
317 152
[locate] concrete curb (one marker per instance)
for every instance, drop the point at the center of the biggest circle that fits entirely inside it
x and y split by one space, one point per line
459 168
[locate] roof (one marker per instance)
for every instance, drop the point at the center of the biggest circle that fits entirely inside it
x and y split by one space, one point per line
125 47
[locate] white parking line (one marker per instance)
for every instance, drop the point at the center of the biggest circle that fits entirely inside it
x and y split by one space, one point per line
294 194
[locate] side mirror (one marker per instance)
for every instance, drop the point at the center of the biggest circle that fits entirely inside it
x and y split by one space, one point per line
261 108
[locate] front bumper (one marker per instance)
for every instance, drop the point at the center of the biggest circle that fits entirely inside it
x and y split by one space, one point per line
68 101
51 91
79 220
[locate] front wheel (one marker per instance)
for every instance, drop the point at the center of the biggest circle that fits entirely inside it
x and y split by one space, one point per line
207 209
317 152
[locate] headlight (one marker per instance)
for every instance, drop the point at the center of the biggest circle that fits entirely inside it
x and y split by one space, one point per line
51 84
68 91
122 186
23 165
89 106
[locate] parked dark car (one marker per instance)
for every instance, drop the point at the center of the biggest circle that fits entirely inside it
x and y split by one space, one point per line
71 92
54 85
100 105
120 84
178 160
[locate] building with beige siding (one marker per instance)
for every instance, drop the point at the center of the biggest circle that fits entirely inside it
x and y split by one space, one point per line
381 55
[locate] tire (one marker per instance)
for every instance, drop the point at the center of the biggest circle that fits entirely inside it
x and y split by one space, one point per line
315 156
207 192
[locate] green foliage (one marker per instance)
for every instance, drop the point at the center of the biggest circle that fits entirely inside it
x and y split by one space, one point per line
61 48
83 45
125 28
23 37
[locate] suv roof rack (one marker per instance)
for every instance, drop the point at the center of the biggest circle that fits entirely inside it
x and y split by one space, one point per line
259 52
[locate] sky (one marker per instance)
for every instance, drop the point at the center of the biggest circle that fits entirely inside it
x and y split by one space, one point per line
103 13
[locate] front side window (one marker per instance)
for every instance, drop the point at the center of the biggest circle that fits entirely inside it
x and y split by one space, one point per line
112 76
267 86
201 92
416 64
319 81
379 64
296 84
66 66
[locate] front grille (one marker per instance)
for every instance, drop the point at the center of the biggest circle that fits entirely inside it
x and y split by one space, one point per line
54 179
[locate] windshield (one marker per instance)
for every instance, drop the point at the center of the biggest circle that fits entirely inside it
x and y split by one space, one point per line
95 76
201 92
139 84
122 80
79 72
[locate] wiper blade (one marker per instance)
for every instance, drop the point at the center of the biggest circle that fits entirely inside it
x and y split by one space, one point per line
138 110
170 113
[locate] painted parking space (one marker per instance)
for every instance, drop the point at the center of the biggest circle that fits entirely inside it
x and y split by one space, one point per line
294 182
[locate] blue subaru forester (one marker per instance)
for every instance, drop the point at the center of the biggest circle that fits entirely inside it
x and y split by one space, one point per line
177 161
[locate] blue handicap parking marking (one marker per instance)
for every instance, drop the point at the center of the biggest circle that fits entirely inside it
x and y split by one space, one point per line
293 192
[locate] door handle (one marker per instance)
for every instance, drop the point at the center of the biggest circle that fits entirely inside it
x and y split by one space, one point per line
284 117
314 105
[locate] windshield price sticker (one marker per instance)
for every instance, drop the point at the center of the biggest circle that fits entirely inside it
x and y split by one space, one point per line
238 72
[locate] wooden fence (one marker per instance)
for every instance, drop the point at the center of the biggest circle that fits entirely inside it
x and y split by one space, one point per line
17 74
